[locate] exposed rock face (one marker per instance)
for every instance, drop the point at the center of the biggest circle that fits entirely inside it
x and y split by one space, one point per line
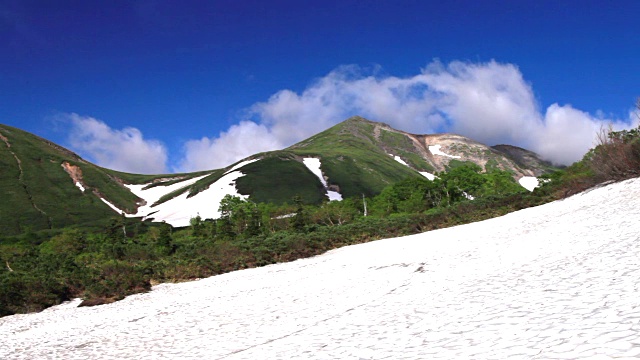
525 158
439 151
74 172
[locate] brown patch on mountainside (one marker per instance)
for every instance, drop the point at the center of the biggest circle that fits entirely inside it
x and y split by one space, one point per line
74 172
467 150
459 148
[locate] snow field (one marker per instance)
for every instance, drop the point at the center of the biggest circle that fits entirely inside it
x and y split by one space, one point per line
558 281
179 210
154 194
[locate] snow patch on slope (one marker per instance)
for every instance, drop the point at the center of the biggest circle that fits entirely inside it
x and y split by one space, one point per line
154 194
435 150
428 175
313 164
112 206
399 159
529 182
79 185
179 210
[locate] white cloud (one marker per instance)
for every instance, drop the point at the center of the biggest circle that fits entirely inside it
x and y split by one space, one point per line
241 140
488 102
123 150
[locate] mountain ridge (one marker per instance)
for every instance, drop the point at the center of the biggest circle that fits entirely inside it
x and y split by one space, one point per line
47 186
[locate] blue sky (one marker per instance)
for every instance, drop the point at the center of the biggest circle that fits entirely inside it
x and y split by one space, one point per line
165 86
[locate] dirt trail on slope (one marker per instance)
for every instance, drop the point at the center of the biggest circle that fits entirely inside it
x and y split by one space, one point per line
21 181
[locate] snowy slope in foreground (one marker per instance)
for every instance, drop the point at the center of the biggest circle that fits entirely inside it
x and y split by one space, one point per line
558 281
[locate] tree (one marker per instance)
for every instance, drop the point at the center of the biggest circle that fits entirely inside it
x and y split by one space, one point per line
336 212
116 236
197 226
499 182
299 220
239 216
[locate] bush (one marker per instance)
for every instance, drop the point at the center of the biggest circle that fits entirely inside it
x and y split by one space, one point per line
617 155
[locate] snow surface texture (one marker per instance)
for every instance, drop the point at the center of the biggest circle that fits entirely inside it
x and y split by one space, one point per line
179 210
529 182
558 281
435 150
313 164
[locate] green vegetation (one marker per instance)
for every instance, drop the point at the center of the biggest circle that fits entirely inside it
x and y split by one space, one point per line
396 140
35 185
277 178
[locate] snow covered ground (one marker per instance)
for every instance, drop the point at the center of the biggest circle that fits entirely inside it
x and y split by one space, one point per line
558 281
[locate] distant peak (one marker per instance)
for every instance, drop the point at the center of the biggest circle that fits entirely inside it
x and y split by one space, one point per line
359 119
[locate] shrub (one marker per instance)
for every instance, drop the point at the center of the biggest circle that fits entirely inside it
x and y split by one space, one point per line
617 155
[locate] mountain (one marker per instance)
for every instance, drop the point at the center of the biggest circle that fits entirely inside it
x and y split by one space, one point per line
46 186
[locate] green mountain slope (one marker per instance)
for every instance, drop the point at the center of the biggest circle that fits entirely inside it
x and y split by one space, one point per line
38 186
353 159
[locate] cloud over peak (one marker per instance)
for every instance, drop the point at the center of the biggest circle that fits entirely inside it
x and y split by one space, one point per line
488 102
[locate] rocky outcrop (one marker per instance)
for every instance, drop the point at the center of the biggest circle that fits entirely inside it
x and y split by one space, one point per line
74 172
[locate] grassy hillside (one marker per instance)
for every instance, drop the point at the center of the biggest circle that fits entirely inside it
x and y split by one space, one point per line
277 178
352 159
39 194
